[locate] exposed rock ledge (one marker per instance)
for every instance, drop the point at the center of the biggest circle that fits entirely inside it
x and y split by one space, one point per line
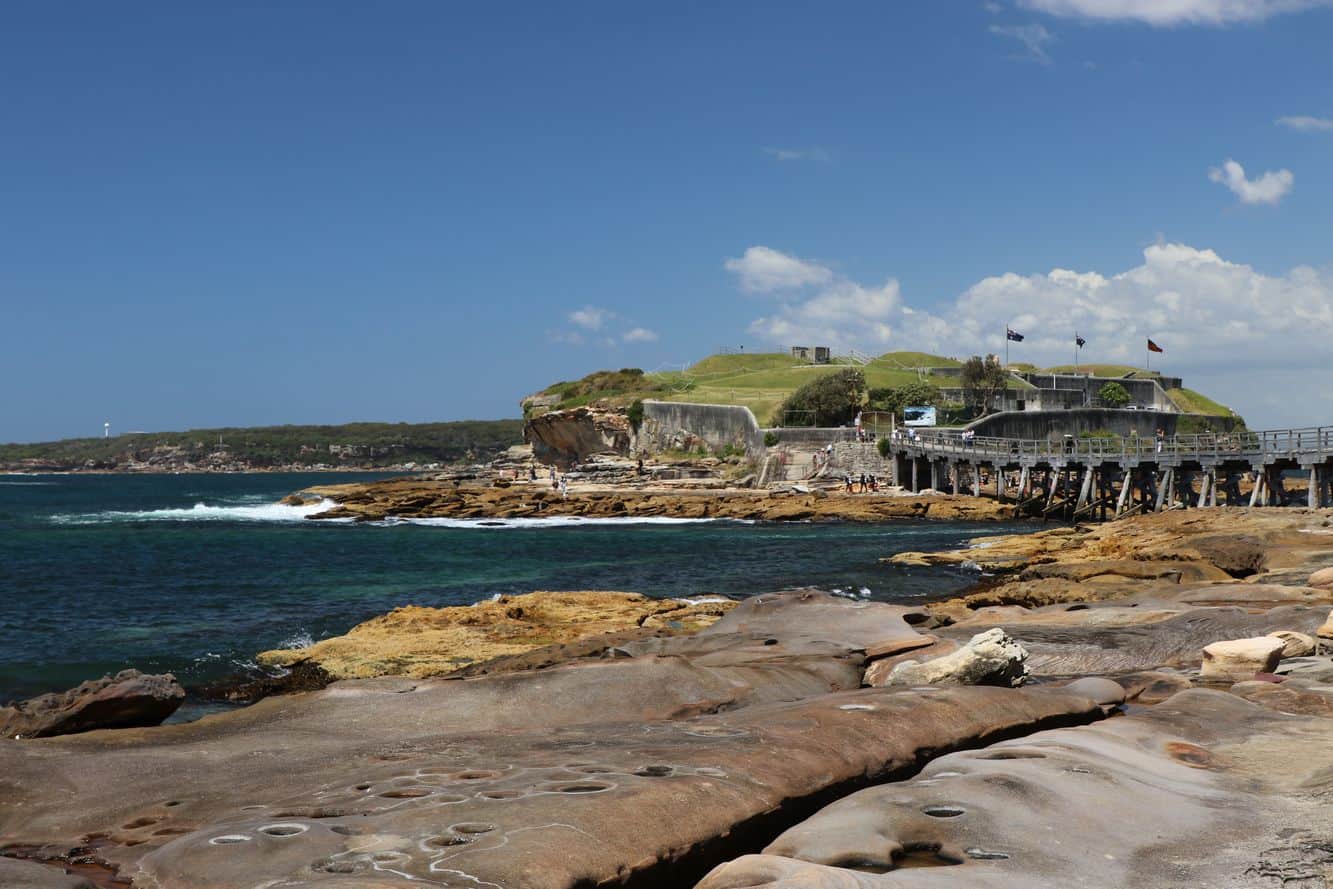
419 642
428 498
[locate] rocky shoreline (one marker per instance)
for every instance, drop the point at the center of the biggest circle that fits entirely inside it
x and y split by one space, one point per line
1151 693
451 498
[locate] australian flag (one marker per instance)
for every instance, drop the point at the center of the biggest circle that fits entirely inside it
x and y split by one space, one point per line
1079 341
1013 334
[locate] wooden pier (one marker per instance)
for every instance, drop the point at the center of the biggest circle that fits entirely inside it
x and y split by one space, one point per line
1110 477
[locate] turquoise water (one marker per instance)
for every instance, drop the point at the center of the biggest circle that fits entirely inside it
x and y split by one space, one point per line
193 574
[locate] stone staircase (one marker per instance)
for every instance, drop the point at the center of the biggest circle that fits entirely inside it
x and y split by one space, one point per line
857 457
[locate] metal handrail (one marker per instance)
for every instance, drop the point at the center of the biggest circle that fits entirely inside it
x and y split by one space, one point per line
1292 443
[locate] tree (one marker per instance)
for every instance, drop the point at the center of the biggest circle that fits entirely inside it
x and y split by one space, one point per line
1113 395
832 399
983 380
895 398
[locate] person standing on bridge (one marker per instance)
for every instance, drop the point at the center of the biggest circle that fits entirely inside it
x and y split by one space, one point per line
1161 439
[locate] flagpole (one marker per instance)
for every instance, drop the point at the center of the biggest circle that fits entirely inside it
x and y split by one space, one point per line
1006 346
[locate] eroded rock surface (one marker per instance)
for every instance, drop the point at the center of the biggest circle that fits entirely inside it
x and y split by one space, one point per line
570 776
989 658
420 642
1203 790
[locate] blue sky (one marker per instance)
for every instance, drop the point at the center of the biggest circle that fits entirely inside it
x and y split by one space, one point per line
323 212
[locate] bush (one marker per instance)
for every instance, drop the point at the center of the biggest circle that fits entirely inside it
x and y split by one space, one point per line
884 446
1113 394
770 439
635 414
833 398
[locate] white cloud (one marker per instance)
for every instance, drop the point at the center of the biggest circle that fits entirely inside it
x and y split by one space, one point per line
590 317
797 154
1207 312
1033 37
639 335
1305 124
992 7
764 270
1163 13
1269 188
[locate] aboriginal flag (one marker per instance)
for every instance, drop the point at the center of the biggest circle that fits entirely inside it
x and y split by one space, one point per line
1013 335
1153 347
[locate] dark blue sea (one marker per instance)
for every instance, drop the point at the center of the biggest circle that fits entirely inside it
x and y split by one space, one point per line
194 574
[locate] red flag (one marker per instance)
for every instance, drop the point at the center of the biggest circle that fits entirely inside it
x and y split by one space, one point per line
1153 347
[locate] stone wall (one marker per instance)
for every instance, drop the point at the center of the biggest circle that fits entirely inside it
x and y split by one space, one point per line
685 426
1050 425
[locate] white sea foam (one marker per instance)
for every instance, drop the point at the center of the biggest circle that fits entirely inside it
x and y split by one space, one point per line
301 639
203 512
704 600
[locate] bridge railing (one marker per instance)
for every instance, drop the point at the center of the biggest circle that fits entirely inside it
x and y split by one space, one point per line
1289 443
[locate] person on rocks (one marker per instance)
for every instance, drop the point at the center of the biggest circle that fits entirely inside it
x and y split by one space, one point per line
848 480
859 431
564 487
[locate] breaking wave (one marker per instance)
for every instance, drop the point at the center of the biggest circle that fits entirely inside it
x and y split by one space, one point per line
203 512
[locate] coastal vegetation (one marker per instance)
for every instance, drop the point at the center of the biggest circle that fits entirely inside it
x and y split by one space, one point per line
762 381
263 447
827 400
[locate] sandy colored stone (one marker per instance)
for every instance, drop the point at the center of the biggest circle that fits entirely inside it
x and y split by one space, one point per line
1325 630
1241 658
429 498
417 641
989 658
1322 579
1295 644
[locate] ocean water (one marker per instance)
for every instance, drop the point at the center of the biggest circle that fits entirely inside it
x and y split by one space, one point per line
194 574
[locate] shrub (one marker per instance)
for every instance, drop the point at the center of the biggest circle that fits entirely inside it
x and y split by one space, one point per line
635 414
884 446
1113 394
895 398
833 398
770 439
982 379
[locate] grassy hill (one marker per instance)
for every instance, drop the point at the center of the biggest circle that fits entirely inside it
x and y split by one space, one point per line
761 380
351 444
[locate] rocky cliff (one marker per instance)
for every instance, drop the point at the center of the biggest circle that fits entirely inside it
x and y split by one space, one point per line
570 436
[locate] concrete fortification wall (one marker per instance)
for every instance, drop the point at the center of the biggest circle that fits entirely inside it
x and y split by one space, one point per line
685 426
1049 425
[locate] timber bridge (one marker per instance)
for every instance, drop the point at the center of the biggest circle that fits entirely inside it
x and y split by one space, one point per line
1109 477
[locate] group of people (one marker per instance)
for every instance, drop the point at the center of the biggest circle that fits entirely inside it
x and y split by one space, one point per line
868 484
558 482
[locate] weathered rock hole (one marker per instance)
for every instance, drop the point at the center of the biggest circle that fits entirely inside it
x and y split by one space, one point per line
943 811
864 865
406 793
388 857
1191 755
476 775
924 855
472 827
985 854
448 798
172 802
592 770
770 642
229 839
1012 754
329 866
283 830
579 787
654 771
343 830
856 707
170 831
447 840
363 786
500 794
716 731
139 822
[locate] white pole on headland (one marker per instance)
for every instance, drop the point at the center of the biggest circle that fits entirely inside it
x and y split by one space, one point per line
106 430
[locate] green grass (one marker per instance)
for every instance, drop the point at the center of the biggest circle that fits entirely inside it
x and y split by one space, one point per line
915 359
1100 370
1192 402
